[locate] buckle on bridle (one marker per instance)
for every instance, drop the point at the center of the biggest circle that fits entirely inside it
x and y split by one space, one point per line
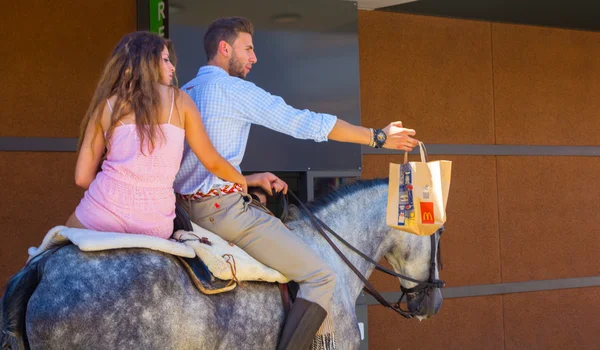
438 284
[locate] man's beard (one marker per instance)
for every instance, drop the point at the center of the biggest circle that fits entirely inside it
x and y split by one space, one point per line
236 68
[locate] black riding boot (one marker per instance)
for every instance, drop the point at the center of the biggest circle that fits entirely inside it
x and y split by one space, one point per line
301 325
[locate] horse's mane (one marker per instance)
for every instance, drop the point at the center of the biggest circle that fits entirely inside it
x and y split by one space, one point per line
339 193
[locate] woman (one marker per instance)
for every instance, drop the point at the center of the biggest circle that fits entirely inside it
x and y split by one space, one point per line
141 120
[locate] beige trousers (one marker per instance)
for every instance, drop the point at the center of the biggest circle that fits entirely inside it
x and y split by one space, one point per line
266 239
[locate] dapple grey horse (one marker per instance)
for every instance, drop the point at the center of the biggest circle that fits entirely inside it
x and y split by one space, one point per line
141 299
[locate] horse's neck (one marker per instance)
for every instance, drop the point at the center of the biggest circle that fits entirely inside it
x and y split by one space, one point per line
359 218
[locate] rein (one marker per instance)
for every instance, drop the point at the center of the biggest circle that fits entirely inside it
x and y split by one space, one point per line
369 288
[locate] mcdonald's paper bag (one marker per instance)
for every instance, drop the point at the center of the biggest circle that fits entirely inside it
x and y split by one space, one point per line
417 194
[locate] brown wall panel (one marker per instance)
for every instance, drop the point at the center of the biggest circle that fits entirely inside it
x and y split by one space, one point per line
473 323
560 319
548 217
37 193
433 74
54 58
470 245
546 85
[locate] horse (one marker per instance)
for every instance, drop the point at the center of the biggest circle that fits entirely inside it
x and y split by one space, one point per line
137 298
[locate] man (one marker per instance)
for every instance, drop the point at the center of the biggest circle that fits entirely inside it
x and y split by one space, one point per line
229 105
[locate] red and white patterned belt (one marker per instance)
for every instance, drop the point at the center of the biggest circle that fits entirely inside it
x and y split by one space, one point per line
226 189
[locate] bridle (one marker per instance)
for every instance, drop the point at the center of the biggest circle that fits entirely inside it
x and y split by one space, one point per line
422 286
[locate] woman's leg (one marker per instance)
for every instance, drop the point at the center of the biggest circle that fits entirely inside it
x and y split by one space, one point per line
74 222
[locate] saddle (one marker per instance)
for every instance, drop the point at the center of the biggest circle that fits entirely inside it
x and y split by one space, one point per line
201 275
198 271
214 265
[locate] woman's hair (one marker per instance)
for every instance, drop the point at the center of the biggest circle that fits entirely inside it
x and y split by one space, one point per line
131 74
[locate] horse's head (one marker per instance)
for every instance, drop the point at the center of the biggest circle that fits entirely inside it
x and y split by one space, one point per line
417 257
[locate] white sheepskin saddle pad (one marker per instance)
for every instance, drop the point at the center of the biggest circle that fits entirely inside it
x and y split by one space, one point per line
224 260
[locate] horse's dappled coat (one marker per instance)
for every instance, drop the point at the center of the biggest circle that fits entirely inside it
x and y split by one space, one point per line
143 299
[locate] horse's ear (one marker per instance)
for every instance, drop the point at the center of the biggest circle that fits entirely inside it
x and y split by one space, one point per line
285 214
293 213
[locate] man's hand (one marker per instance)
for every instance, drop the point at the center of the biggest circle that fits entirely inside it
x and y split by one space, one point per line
267 181
399 137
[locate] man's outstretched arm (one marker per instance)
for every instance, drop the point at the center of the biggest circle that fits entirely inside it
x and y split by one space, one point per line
397 137
258 106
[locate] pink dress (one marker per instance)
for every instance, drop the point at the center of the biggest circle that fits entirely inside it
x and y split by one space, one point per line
134 191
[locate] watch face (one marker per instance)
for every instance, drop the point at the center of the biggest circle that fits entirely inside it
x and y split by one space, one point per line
380 136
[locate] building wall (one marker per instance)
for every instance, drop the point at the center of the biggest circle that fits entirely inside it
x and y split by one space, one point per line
510 218
53 54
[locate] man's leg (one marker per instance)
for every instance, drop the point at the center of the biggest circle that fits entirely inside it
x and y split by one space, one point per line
266 239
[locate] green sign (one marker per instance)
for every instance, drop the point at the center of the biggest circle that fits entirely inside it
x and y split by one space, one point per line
158 17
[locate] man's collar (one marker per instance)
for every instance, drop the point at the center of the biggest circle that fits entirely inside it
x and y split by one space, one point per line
211 69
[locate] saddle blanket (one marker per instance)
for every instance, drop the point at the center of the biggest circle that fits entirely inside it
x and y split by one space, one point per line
225 261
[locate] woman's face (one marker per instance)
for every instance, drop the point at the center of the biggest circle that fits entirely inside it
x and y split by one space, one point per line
166 67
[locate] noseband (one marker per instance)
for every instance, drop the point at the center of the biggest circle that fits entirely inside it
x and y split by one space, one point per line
422 286
431 282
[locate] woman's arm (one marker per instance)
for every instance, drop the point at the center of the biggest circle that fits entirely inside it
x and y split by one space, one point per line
90 155
199 142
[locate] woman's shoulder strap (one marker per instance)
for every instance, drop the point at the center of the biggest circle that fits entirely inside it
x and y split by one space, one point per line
172 103
111 109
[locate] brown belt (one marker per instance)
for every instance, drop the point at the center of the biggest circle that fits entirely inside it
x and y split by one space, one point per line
226 189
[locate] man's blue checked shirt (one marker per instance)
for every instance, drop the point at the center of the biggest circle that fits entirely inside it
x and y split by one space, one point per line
228 106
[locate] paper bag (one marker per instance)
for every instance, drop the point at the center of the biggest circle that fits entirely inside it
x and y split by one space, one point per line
417 194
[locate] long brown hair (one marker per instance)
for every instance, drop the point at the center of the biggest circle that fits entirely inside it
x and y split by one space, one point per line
131 74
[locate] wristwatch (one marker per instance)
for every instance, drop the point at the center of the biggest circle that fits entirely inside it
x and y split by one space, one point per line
379 138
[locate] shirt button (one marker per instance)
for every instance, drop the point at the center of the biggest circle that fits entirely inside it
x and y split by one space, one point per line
212 219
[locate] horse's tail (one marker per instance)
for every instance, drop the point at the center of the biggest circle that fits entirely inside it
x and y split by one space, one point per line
14 303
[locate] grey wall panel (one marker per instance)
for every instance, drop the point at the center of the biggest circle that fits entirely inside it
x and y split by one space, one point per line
60 144
504 288
312 63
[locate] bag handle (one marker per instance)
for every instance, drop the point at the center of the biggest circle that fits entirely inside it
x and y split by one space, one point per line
422 151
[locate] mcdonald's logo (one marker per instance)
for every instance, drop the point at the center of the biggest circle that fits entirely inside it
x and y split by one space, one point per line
427 213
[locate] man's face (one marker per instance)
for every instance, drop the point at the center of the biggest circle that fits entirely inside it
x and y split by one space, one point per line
242 56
